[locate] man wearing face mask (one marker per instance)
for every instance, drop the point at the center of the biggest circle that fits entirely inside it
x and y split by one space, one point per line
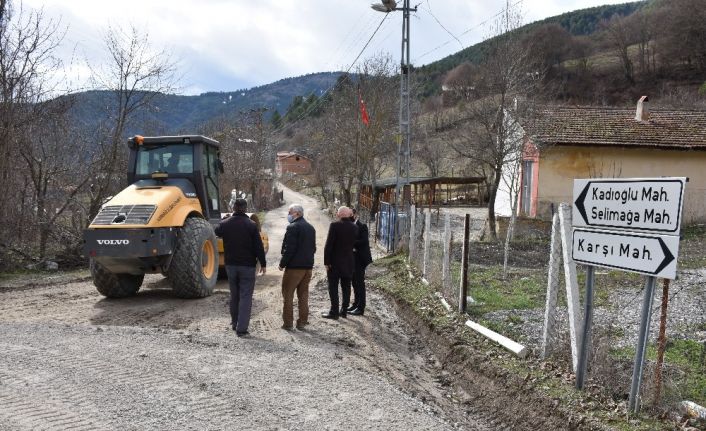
298 248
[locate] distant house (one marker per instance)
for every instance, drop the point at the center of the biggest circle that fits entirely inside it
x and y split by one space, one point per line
289 162
564 143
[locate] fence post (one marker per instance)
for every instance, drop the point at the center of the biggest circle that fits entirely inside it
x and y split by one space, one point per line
427 228
572 287
552 288
463 291
446 267
412 233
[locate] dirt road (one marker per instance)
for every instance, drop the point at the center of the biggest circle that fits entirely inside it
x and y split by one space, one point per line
71 359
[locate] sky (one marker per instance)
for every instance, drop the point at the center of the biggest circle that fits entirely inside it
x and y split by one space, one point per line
227 45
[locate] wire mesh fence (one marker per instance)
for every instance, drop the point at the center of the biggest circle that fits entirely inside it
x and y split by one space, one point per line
436 245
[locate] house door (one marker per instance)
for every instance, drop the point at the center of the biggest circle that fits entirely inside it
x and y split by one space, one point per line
526 187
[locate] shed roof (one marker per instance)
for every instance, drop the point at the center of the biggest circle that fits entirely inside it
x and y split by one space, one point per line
390 182
665 129
286 154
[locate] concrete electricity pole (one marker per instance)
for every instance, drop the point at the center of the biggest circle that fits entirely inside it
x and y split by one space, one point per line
404 137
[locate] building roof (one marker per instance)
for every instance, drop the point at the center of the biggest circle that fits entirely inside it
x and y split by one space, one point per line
286 154
665 129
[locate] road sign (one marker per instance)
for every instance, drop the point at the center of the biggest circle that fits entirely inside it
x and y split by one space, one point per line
650 254
634 204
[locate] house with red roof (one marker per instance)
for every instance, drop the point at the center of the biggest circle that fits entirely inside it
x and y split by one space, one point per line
290 162
563 143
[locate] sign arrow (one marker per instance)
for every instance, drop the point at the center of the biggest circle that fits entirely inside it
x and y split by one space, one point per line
634 204
649 254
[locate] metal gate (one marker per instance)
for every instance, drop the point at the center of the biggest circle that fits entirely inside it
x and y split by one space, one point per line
391 226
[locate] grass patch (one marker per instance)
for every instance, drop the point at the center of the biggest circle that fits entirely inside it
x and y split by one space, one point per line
11 275
687 355
35 276
520 290
695 232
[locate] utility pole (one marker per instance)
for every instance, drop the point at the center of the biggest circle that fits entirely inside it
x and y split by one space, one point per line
404 136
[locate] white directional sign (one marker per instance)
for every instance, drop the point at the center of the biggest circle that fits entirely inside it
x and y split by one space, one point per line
634 204
650 254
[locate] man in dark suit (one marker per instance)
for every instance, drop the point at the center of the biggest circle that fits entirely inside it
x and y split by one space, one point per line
243 248
339 261
363 258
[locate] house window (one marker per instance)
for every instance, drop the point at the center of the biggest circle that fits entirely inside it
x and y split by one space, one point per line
526 187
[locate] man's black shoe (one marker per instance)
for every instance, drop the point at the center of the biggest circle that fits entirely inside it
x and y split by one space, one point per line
242 334
356 312
329 315
342 314
352 307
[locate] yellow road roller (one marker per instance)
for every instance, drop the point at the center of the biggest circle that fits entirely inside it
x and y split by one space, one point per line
163 221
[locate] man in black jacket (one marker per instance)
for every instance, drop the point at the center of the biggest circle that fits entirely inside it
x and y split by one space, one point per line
243 248
363 258
339 261
298 248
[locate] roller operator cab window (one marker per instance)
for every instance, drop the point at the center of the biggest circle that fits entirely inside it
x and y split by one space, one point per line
173 159
209 166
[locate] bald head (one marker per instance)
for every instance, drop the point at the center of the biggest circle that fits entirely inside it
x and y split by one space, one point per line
344 212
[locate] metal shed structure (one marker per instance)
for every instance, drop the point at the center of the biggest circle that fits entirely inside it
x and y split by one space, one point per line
425 191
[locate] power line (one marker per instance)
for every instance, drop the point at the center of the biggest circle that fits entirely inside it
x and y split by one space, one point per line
467 31
348 43
428 9
321 99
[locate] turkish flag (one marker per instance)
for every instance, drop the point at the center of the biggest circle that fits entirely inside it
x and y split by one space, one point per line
363 111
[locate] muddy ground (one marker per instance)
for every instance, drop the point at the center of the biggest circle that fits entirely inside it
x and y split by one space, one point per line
71 359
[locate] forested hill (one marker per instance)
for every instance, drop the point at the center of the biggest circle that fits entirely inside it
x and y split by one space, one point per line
581 22
171 114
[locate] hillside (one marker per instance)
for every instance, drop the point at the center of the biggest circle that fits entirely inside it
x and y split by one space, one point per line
581 22
172 114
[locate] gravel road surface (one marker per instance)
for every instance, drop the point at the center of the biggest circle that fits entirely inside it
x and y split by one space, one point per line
73 360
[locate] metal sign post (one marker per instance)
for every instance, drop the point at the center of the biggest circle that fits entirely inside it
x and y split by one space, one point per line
634 400
586 333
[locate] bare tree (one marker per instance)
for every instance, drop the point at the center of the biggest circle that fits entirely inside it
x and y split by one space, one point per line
54 159
682 37
246 153
431 150
379 88
618 32
27 44
136 75
491 134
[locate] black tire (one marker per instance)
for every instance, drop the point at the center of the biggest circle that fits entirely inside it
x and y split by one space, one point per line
113 285
188 269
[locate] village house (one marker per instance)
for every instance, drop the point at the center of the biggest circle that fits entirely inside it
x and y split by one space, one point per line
563 143
289 162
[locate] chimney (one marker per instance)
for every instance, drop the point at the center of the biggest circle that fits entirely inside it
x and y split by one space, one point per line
643 111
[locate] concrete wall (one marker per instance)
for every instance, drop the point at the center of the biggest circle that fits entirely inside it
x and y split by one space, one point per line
559 165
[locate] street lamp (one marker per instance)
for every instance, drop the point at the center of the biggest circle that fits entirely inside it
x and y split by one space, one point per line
403 140
386 6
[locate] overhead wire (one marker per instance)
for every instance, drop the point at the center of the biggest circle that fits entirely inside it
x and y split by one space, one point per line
321 99
428 9
346 45
482 23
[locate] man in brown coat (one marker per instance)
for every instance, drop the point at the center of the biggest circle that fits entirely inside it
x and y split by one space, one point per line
339 261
